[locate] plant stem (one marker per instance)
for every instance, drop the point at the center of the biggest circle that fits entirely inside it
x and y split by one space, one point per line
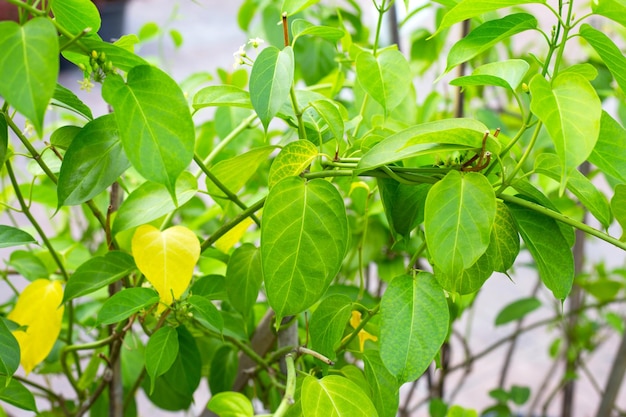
245 123
234 222
379 24
371 313
564 219
290 390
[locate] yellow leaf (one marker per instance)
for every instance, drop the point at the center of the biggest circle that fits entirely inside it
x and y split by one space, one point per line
231 237
38 310
355 320
167 259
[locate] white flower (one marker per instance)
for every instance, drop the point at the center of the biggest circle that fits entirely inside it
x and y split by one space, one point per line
238 62
86 84
255 42
241 52
29 129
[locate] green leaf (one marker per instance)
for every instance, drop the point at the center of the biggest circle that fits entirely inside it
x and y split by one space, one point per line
618 204
206 313
414 324
586 70
613 9
9 351
471 279
29 67
292 160
597 204
125 303
428 138
161 352
571 111
485 36
403 204
64 97
504 243
211 287
608 51
155 125
458 218
508 74
151 201
121 57
516 310
466 9
331 115
301 27
244 278
221 95
386 77
64 136
98 272
328 323
235 172
29 265
223 370
519 395
76 15
609 154
458 411
270 81
11 236
292 7
384 386
94 160
13 392
548 248
231 404
177 37
303 241
334 396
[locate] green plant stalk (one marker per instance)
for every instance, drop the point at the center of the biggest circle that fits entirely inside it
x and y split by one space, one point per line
290 389
564 219
379 24
523 159
231 196
298 112
234 222
229 138
564 36
370 313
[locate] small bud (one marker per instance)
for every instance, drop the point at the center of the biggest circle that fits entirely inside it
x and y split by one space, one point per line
82 67
94 54
109 66
525 88
102 57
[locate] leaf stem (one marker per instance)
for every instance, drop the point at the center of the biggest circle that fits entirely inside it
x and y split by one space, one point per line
290 390
245 123
369 314
523 159
234 222
564 219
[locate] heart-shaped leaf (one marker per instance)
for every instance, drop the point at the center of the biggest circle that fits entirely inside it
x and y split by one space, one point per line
167 258
386 77
76 15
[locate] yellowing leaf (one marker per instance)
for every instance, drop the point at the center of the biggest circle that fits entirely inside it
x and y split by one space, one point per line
355 320
167 259
231 237
38 310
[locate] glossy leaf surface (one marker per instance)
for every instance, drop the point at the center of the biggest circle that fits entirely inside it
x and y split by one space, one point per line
414 324
12 236
609 154
231 404
328 323
508 74
76 15
125 303
383 384
292 160
244 278
334 396
303 241
386 77
161 352
9 351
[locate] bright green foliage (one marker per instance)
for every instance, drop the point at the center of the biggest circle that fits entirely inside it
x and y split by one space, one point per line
12 236
516 310
300 27
4 140
93 161
608 51
33 45
270 80
613 9
618 204
571 110
383 384
508 74
458 217
386 77
609 153
504 242
126 302
161 352
158 140
231 404
328 323
414 316
302 244
292 160
334 396
9 352
206 313
76 15
244 278
15 393
222 95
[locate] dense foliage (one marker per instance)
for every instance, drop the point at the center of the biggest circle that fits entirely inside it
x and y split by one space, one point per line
307 229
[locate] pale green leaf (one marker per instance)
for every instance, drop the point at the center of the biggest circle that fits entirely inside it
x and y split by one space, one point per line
94 160
270 81
244 278
458 219
571 111
125 303
303 241
121 57
592 198
331 115
29 66
221 95
160 353
98 272
508 74
386 77
516 310
231 404
618 204
292 7
292 160
328 323
383 384
301 27
586 70
334 396
608 51
428 138
613 9
11 236
151 201
158 139
414 324
485 36
548 247
76 15
609 154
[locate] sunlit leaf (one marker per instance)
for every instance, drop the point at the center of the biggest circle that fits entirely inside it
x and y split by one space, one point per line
328 322
386 77
15 393
331 115
292 7
292 160
384 385
608 51
301 27
76 15
39 311
221 95
231 404
613 9
167 258
609 154
618 204
244 278
161 352
125 303
11 236
508 74
334 396
234 235
64 97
